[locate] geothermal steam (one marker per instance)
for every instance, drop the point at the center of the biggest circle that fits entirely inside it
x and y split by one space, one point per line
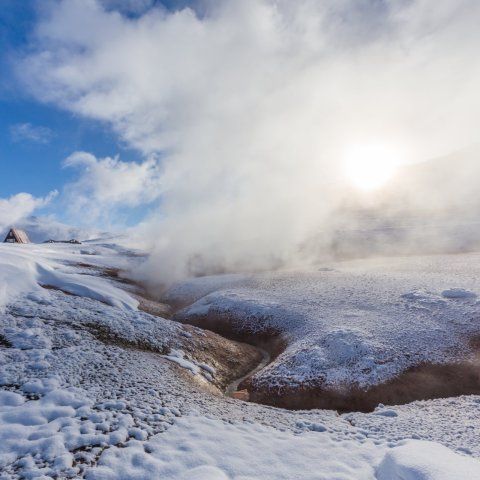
245 110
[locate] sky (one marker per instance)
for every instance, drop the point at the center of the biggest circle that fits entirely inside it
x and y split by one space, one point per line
36 137
229 132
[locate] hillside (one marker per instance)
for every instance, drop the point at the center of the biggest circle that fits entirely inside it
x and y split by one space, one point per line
93 387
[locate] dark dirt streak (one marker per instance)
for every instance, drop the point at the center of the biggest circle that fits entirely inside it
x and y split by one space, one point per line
269 343
107 337
268 339
46 286
422 382
232 387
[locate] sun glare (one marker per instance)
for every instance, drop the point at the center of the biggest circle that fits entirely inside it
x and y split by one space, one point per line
369 167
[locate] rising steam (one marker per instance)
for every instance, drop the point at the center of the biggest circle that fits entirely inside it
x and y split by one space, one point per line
248 107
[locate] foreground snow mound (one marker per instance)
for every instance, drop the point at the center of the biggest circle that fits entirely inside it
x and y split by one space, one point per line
356 323
426 461
206 449
433 420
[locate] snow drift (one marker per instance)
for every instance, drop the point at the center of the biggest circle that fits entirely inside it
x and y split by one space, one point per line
25 269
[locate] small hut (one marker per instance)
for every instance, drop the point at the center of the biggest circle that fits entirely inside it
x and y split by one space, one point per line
15 235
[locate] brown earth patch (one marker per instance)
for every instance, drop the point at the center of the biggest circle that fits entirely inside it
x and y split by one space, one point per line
231 356
422 382
153 307
230 359
53 287
269 339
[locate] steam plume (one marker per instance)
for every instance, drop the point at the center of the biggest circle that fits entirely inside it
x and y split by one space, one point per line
250 106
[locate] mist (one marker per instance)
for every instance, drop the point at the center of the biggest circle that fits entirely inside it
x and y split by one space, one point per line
243 112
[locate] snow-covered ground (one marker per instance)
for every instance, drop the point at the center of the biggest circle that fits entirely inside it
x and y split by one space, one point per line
359 322
93 388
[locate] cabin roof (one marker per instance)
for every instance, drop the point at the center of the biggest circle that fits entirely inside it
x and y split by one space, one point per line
18 235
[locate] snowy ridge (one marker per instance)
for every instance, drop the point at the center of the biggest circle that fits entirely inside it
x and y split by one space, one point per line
358 322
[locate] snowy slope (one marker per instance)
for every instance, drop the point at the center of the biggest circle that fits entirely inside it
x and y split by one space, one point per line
87 391
358 322
23 268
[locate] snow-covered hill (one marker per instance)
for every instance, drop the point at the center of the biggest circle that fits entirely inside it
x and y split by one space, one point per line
349 325
92 387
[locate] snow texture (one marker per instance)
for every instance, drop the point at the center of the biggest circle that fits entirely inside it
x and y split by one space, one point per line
201 448
23 268
359 322
426 461
96 389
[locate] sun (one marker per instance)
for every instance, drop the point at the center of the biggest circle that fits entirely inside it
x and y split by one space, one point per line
369 167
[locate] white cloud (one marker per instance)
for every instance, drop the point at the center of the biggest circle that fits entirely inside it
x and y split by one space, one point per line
106 184
253 103
31 133
18 207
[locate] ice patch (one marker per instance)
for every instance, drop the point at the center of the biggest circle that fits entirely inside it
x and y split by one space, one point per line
179 357
458 293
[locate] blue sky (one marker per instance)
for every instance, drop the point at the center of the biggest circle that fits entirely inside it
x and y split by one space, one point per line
223 102
36 137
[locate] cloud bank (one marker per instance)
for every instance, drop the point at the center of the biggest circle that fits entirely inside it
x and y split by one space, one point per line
106 185
17 208
250 105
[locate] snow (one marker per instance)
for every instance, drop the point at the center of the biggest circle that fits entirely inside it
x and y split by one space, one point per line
177 357
23 268
450 421
50 428
44 228
357 322
458 293
197 447
194 367
90 387
426 461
